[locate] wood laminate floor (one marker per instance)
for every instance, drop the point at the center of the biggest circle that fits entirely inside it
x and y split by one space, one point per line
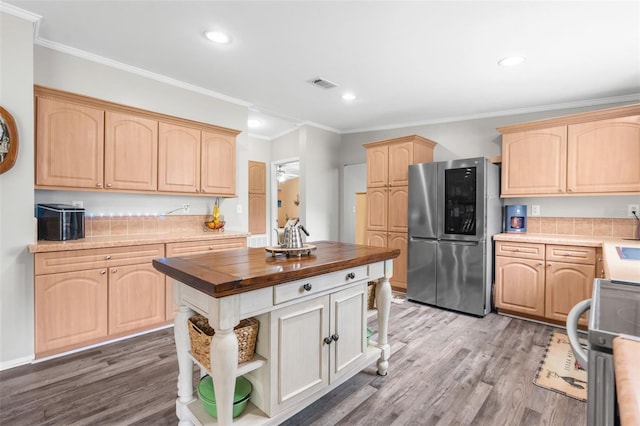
446 369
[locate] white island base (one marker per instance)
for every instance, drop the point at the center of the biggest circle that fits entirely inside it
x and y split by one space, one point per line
312 338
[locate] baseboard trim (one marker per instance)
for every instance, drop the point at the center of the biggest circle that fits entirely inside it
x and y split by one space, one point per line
5 365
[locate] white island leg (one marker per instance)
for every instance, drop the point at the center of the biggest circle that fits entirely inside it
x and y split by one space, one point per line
185 364
224 365
383 303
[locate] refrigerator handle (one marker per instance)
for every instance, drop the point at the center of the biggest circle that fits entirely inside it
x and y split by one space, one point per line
460 243
412 238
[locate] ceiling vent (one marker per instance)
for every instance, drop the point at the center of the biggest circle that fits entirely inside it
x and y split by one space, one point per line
322 83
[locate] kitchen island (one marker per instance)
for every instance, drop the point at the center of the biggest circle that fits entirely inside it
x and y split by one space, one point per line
312 312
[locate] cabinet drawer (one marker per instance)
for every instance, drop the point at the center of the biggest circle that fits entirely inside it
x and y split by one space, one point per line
302 288
79 260
571 254
198 247
521 250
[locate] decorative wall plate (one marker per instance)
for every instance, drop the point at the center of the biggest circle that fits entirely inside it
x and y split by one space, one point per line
8 141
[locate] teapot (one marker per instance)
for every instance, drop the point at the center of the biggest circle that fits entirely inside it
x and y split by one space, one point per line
292 238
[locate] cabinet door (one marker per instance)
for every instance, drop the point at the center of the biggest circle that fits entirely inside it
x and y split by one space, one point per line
567 284
377 203
301 363
377 166
399 241
257 177
130 152
136 297
70 309
348 322
534 162
178 158
604 156
400 157
69 144
398 209
376 239
520 285
257 213
218 169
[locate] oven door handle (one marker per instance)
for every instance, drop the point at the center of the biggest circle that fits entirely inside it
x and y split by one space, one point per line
572 331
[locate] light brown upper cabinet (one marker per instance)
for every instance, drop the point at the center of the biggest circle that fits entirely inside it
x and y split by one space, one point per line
69 144
583 154
387 195
86 143
257 197
196 162
179 159
130 152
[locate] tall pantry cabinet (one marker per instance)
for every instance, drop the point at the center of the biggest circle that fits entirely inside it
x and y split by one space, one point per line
388 195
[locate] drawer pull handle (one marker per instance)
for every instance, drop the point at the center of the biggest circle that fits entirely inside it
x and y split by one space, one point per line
107 257
103 272
307 287
351 275
335 337
328 340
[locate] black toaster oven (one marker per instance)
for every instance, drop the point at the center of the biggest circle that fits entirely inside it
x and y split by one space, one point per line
59 222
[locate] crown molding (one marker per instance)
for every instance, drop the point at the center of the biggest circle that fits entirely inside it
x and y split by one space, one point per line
634 97
139 71
20 13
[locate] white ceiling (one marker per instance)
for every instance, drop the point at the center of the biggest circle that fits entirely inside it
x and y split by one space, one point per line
407 62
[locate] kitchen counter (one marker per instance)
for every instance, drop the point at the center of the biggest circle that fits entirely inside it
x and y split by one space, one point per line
626 358
615 267
311 312
130 240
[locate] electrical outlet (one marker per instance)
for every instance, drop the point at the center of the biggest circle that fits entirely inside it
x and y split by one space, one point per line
632 208
535 210
78 204
186 207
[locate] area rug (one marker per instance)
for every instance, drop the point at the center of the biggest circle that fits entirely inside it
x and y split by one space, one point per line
559 370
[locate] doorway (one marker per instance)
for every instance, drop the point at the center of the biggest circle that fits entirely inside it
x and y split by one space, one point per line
285 203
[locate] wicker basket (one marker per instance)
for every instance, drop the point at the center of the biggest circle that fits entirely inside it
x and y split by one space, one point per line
371 295
201 333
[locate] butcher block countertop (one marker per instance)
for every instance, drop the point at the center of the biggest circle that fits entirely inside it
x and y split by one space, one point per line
129 240
236 271
626 359
615 267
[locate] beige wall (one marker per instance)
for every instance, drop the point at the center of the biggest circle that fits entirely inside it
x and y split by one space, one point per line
16 195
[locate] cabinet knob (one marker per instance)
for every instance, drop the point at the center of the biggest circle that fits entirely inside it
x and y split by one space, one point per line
114 270
540 264
98 185
328 340
570 189
197 190
108 185
351 275
103 272
335 337
210 247
307 287
548 264
569 253
203 190
107 257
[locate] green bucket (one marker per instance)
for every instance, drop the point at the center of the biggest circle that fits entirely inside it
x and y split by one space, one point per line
240 397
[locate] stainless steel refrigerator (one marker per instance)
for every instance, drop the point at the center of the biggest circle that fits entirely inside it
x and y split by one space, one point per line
454 210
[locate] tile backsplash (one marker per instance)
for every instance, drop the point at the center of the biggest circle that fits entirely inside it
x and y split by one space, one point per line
585 226
145 225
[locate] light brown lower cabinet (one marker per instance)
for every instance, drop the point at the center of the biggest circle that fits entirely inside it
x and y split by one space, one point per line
84 297
543 281
396 240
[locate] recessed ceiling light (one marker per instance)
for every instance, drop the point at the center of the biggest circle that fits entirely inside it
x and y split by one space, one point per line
217 37
510 61
254 123
348 96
